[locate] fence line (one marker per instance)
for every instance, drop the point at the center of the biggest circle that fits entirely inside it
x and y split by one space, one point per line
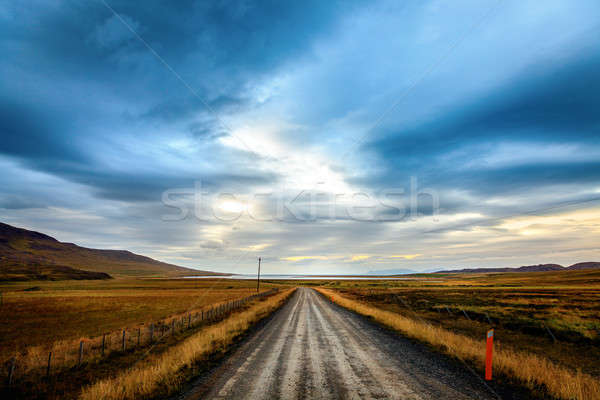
47 362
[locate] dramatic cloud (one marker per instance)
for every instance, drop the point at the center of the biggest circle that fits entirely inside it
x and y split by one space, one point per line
332 137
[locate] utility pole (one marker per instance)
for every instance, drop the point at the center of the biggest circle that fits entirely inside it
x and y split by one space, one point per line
258 277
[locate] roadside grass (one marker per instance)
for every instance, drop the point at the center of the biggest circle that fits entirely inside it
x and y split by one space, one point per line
56 316
67 311
556 314
531 370
562 324
164 374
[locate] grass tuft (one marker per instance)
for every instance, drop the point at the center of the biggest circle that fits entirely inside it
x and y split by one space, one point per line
161 374
531 370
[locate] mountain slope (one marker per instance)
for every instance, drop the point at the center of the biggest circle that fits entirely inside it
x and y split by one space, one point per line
29 255
529 268
584 265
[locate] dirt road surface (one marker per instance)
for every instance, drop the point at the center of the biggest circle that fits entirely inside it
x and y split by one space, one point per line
313 349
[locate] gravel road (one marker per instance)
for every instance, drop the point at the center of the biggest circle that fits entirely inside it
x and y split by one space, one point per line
314 349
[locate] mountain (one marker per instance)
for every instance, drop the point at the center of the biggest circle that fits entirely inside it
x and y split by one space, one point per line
540 267
398 271
584 265
29 255
528 268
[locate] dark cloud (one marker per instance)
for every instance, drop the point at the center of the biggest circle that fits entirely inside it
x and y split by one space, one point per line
556 105
215 47
18 202
30 133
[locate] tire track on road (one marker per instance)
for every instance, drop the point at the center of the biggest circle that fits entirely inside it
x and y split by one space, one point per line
312 349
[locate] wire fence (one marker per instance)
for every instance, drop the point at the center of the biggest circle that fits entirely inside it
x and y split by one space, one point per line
70 354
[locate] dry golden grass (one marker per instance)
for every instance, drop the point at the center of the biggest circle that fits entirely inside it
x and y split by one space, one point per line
58 315
162 373
562 324
529 369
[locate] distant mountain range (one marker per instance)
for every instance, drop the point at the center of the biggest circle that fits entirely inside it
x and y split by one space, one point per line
29 255
526 268
529 268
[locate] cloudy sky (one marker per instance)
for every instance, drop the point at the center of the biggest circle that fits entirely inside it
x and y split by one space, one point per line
324 136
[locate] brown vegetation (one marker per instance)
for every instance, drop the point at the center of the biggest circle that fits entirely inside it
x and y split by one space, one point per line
57 315
532 370
155 337
164 374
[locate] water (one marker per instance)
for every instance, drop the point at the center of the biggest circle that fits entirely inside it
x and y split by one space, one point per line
313 277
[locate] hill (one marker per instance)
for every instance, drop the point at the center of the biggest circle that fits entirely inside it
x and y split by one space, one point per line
29 255
584 265
528 268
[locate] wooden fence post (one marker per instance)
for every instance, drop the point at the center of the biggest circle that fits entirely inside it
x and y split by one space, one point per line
80 352
123 342
11 371
48 367
189 320
103 341
466 315
488 318
173 326
139 334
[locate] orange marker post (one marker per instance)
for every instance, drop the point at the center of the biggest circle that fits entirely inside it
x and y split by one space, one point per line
488 355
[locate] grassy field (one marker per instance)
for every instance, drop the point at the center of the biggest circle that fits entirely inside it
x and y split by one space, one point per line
58 316
163 374
42 313
552 318
551 315
544 378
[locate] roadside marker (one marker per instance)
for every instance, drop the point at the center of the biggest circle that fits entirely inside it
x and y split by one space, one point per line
488 355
